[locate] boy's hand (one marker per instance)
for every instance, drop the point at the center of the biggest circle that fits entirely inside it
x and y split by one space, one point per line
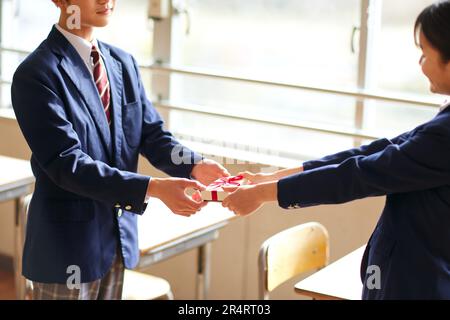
172 191
207 171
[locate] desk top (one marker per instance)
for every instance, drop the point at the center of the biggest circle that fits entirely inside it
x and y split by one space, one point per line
338 281
14 173
158 225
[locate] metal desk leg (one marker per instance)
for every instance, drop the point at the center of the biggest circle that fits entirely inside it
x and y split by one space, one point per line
203 271
19 236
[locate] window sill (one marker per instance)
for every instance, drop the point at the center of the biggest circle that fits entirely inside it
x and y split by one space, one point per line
222 154
7 113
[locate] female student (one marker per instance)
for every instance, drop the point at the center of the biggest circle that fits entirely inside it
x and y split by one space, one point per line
411 242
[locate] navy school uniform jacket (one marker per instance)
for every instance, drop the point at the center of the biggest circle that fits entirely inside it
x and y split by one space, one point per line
85 171
411 242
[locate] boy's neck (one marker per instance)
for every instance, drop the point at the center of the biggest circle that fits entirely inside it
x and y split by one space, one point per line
87 33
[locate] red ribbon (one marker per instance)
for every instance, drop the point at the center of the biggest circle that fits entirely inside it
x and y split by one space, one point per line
224 182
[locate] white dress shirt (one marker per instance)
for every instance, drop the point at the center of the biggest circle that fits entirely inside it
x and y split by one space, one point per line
83 47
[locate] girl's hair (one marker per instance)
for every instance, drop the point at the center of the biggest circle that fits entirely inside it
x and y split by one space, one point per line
434 22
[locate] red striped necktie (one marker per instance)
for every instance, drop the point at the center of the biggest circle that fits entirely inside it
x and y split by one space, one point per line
101 82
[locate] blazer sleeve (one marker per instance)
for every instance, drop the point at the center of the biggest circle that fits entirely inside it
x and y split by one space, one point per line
56 147
158 145
419 163
365 150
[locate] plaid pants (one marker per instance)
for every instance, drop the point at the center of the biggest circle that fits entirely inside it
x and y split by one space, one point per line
107 288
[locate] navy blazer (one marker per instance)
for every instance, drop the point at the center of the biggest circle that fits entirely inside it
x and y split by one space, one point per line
411 242
87 190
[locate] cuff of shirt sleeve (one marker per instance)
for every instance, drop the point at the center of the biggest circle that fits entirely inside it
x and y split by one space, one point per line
147 197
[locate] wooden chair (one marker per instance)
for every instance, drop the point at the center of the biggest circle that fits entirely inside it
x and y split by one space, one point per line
289 253
137 285
143 286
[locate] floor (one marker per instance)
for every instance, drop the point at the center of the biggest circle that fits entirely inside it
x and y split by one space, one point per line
6 286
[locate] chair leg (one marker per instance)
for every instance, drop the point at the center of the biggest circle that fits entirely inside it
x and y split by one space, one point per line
167 296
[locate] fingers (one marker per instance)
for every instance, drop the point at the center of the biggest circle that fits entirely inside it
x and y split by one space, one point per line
226 202
193 184
246 174
183 213
219 168
191 205
230 189
224 171
189 212
250 177
197 197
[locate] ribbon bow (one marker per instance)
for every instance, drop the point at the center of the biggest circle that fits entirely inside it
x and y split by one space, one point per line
224 182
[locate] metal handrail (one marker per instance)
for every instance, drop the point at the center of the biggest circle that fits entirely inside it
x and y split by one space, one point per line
359 94
353 133
14 50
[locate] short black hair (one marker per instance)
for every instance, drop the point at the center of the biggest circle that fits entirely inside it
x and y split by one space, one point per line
434 22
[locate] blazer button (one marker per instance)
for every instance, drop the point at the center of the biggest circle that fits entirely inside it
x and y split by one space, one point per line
119 213
128 207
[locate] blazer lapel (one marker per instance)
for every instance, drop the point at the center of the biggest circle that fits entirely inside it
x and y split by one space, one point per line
114 69
74 67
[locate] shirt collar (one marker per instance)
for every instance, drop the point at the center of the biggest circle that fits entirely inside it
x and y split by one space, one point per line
82 46
444 106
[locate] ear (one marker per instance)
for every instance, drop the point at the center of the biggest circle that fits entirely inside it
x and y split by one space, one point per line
60 3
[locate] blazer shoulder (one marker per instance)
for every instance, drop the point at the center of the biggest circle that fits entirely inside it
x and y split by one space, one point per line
438 126
39 63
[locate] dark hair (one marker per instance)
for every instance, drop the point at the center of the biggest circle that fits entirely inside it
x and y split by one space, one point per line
434 22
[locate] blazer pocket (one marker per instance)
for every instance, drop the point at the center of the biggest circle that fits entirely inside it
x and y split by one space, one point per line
132 123
69 210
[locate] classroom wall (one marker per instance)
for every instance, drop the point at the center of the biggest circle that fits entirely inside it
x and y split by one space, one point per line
234 254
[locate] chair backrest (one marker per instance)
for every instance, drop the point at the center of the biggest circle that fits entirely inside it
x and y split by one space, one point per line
296 250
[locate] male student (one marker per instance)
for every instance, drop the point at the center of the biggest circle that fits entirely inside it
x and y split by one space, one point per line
81 106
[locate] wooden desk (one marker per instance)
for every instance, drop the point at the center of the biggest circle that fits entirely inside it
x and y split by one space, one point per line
16 178
163 234
338 281
16 181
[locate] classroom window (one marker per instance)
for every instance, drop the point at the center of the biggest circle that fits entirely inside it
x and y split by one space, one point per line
26 23
300 42
290 41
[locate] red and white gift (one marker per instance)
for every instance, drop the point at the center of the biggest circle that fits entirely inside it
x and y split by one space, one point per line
215 192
